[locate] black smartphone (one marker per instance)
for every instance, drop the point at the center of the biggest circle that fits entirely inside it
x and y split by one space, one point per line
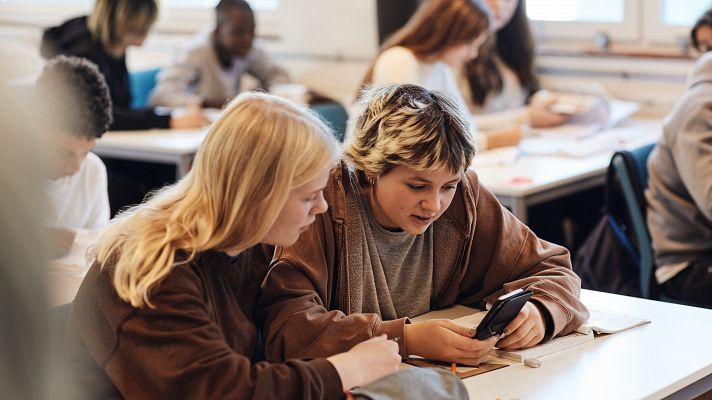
504 310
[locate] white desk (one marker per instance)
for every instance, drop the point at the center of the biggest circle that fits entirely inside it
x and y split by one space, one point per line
529 180
156 145
668 358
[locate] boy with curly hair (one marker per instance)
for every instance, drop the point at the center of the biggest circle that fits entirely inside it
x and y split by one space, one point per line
76 98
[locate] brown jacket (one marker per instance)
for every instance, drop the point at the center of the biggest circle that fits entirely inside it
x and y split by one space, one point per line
199 342
310 300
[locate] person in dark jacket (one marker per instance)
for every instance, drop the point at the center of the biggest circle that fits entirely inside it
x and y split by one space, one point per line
103 38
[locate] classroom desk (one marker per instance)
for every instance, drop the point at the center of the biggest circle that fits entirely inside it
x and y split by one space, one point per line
669 358
175 146
528 180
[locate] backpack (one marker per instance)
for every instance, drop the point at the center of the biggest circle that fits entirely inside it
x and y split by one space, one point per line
608 260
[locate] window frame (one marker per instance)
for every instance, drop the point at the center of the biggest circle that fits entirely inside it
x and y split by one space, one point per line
586 31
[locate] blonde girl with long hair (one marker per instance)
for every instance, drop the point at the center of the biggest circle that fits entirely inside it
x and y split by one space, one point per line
166 311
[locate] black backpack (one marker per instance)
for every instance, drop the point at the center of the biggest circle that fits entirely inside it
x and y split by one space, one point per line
608 259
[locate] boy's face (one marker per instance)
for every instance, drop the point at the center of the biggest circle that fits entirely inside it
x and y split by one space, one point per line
411 200
236 29
68 153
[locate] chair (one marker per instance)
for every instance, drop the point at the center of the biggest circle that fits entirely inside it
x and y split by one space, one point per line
632 175
335 115
141 84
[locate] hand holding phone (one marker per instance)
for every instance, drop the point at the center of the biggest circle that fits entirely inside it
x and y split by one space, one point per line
504 310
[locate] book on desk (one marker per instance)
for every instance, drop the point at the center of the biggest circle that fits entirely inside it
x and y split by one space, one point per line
601 322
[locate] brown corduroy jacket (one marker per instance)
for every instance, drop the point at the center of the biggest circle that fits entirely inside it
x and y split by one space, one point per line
198 342
311 298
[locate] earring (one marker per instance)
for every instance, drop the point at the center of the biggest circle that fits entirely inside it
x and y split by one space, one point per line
372 181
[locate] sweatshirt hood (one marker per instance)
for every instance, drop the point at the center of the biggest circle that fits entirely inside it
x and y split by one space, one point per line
71 37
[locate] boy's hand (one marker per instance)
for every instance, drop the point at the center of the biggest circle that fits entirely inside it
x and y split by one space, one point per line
526 330
444 340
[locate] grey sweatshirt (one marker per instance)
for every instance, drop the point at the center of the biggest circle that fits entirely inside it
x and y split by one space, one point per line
680 185
198 75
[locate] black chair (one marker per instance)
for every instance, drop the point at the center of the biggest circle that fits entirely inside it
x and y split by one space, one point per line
632 176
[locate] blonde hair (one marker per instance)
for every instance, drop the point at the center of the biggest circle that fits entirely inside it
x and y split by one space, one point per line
436 26
410 126
111 20
259 149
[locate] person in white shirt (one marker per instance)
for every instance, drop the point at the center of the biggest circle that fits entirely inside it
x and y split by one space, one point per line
439 39
76 100
209 72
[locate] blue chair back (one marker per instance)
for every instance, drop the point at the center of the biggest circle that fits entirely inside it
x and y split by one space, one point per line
141 84
632 173
335 115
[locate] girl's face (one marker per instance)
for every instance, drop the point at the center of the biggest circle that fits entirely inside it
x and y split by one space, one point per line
457 56
303 204
410 200
502 11
704 38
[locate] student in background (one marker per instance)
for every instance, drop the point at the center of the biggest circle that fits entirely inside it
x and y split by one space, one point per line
208 73
410 229
76 99
679 193
166 311
499 83
701 33
103 38
423 53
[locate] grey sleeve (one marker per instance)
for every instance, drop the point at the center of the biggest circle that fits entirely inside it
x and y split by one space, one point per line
692 152
264 70
173 86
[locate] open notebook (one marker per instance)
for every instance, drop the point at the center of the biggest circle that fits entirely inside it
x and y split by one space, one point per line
587 130
600 322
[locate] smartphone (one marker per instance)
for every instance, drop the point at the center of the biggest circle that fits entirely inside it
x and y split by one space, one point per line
504 310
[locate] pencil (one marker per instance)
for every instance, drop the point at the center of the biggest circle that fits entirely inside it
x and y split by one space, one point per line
453 368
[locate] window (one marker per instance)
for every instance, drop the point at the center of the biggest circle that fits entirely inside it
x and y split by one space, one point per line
683 13
582 20
637 23
576 10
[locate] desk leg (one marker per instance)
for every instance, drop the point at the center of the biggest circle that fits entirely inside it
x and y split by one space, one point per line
183 166
519 209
